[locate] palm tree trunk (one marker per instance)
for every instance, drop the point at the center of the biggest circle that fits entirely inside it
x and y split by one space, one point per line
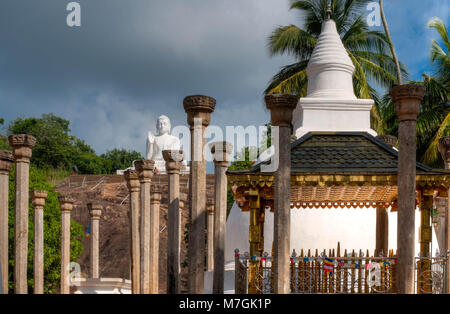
391 44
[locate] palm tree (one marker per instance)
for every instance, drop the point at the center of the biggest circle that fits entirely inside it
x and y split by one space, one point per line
368 49
439 56
433 121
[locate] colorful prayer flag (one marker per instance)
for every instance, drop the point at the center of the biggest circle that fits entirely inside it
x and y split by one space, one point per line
328 265
88 232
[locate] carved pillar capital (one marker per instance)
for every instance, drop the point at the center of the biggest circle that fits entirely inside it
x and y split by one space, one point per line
132 179
66 203
173 159
200 107
22 145
38 198
6 161
281 107
95 211
221 152
144 170
407 100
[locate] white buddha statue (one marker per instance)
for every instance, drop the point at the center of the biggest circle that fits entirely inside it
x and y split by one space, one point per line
162 141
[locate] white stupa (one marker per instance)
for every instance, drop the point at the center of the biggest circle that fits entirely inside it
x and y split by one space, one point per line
331 104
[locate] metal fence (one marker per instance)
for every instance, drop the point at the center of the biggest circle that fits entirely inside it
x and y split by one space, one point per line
321 274
431 275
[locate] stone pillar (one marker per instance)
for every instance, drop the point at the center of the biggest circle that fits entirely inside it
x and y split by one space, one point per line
209 234
144 170
444 146
95 212
134 189
221 152
22 145
382 231
38 198
407 99
198 109
281 108
154 239
173 160
66 205
6 160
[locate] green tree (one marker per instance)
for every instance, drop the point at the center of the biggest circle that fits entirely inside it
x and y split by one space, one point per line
368 49
120 158
52 234
439 55
433 121
53 143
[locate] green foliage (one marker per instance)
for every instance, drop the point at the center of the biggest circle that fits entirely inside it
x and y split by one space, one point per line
120 158
4 143
56 148
433 121
52 233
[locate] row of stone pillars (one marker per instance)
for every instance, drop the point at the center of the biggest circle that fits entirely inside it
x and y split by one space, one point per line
22 145
144 211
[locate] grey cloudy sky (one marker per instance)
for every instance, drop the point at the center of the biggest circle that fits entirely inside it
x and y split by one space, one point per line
133 60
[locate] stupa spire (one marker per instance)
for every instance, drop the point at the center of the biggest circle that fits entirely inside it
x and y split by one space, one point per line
330 69
329 11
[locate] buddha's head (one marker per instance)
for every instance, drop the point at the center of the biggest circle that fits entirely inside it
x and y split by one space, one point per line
163 125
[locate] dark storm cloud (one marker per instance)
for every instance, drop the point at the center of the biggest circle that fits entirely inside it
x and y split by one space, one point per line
133 60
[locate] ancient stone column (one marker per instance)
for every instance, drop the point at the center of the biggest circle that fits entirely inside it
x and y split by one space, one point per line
144 170
382 231
134 189
444 146
407 99
154 239
221 152
6 160
38 198
173 160
198 109
209 234
95 212
22 145
66 205
281 108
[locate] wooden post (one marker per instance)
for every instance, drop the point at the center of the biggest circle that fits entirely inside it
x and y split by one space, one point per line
254 200
382 231
425 238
